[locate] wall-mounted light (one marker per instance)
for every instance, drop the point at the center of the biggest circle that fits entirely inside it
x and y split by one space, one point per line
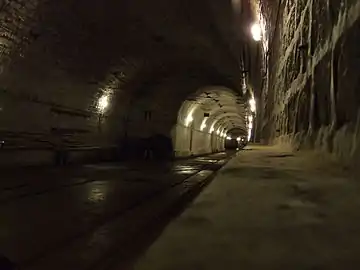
189 119
203 124
212 130
228 138
250 126
252 104
256 32
238 139
250 118
103 103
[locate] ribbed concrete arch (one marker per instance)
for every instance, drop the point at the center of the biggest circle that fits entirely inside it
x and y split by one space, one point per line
213 100
225 118
221 113
234 123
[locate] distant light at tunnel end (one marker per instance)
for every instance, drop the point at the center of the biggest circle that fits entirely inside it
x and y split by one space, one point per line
256 32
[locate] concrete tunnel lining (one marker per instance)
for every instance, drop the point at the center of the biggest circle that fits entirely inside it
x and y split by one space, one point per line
207 133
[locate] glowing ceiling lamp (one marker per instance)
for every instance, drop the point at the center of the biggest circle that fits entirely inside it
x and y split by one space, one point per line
256 32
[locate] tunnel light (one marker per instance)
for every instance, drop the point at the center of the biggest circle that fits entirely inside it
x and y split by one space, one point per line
218 132
250 126
228 138
256 32
238 139
203 124
189 119
103 103
249 134
252 104
212 130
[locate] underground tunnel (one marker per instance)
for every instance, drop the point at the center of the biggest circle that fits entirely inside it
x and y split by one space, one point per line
114 113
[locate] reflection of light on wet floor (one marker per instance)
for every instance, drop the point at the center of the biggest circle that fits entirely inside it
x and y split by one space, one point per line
97 192
186 172
206 160
185 169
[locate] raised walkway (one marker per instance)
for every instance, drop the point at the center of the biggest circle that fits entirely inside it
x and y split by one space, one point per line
266 209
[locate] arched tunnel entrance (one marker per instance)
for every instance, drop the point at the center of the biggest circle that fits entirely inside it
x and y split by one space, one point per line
174 128
204 120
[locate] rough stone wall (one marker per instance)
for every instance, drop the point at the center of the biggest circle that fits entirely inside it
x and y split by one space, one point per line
313 92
